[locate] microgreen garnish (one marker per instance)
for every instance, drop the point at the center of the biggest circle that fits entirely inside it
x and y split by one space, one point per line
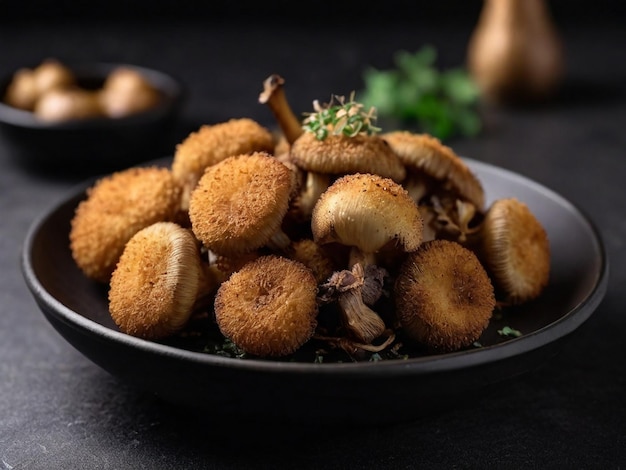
340 117
508 331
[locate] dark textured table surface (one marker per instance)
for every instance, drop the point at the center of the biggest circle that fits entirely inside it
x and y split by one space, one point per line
59 410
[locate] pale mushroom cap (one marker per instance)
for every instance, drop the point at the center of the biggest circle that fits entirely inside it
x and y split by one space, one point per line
340 154
52 74
126 79
67 104
268 307
423 152
116 207
516 249
367 211
154 286
211 144
22 91
444 297
240 203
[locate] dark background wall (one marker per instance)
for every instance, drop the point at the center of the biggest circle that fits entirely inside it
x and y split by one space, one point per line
322 12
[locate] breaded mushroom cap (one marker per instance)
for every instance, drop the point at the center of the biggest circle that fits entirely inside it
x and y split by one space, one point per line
341 154
157 281
239 203
425 153
516 250
268 307
444 297
115 208
211 144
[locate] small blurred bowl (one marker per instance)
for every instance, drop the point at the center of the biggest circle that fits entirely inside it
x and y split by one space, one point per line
99 143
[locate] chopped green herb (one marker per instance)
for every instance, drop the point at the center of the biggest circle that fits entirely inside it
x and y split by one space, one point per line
508 331
442 103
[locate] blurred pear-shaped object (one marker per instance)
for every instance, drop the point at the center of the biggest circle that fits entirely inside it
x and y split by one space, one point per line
515 53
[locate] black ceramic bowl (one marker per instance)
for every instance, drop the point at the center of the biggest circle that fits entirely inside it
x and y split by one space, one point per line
96 144
349 392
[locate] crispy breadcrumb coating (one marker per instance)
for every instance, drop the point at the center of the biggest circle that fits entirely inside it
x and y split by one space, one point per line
340 154
444 297
211 144
268 307
240 202
156 282
116 207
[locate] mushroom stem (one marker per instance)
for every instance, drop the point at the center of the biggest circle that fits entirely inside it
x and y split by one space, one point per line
280 241
208 283
358 256
351 346
316 184
361 322
274 96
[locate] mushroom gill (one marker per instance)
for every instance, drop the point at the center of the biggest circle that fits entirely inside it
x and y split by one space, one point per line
515 249
269 307
443 295
158 280
367 212
425 155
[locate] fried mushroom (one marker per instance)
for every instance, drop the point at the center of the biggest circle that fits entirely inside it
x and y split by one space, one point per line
239 204
516 249
367 212
211 144
423 154
115 208
342 154
268 308
444 297
159 279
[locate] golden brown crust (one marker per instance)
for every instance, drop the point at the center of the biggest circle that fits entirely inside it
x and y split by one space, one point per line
444 297
516 250
156 281
312 256
239 203
116 207
268 307
211 144
340 154
425 153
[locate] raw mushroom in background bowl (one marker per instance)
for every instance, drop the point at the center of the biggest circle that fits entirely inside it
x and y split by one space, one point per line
100 116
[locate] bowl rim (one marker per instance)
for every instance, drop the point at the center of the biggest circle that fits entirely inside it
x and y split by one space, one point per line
528 342
171 88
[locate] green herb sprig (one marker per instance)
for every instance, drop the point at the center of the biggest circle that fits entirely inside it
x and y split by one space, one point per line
416 91
340 117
